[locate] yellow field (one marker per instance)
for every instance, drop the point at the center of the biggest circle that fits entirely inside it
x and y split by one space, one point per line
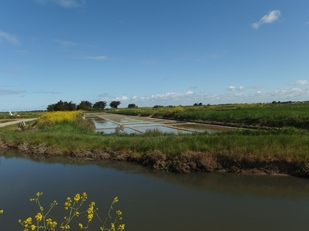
50 118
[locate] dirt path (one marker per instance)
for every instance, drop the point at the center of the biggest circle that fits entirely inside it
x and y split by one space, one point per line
16 122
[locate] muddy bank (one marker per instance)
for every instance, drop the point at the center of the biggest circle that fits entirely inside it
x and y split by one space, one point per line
186 162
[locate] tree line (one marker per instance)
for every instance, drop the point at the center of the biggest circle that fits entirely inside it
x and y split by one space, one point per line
83 105
100 105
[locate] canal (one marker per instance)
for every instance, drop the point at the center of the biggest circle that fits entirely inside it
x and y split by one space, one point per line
154 200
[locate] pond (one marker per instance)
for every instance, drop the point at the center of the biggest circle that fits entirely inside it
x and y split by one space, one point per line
155 200
110 123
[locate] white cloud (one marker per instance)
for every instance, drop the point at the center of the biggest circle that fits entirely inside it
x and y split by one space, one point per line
64 3
301 82
122 98
9 38
234 96
171 95
233 88
271 17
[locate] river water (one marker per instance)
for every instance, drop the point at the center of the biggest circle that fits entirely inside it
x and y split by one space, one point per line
155 200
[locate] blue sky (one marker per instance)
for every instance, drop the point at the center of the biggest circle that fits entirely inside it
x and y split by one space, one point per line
152 52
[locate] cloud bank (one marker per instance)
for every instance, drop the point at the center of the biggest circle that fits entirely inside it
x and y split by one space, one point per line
234 95
301 82
271 17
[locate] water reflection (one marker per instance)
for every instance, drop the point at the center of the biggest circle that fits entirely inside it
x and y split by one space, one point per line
237 184
156 200
108 123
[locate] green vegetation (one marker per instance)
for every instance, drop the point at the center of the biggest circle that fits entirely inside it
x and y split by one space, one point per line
281 149
269 115
70 106
114 104
83 105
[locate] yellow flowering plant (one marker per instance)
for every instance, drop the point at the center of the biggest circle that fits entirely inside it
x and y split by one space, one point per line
50 118
43 221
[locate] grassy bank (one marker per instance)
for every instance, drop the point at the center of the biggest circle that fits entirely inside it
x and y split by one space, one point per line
257 115
283 150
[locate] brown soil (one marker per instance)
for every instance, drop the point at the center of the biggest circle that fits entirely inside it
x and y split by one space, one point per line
186 162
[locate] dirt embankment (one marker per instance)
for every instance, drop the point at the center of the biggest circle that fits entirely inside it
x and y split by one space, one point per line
186 162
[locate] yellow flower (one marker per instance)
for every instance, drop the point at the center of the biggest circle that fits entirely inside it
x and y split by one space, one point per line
80 225
90 217
1 211
33 227
39 194
39 217
77 197
121 227
118 212
113 227
28 221
115 200
67 204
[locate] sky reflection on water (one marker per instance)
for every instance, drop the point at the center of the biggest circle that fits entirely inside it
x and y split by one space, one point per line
156 200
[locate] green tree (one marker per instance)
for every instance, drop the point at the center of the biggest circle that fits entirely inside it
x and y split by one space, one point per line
132 105
114 104
84 105
100 105
62 106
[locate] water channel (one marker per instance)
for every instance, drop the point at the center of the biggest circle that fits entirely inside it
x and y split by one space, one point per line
155 200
